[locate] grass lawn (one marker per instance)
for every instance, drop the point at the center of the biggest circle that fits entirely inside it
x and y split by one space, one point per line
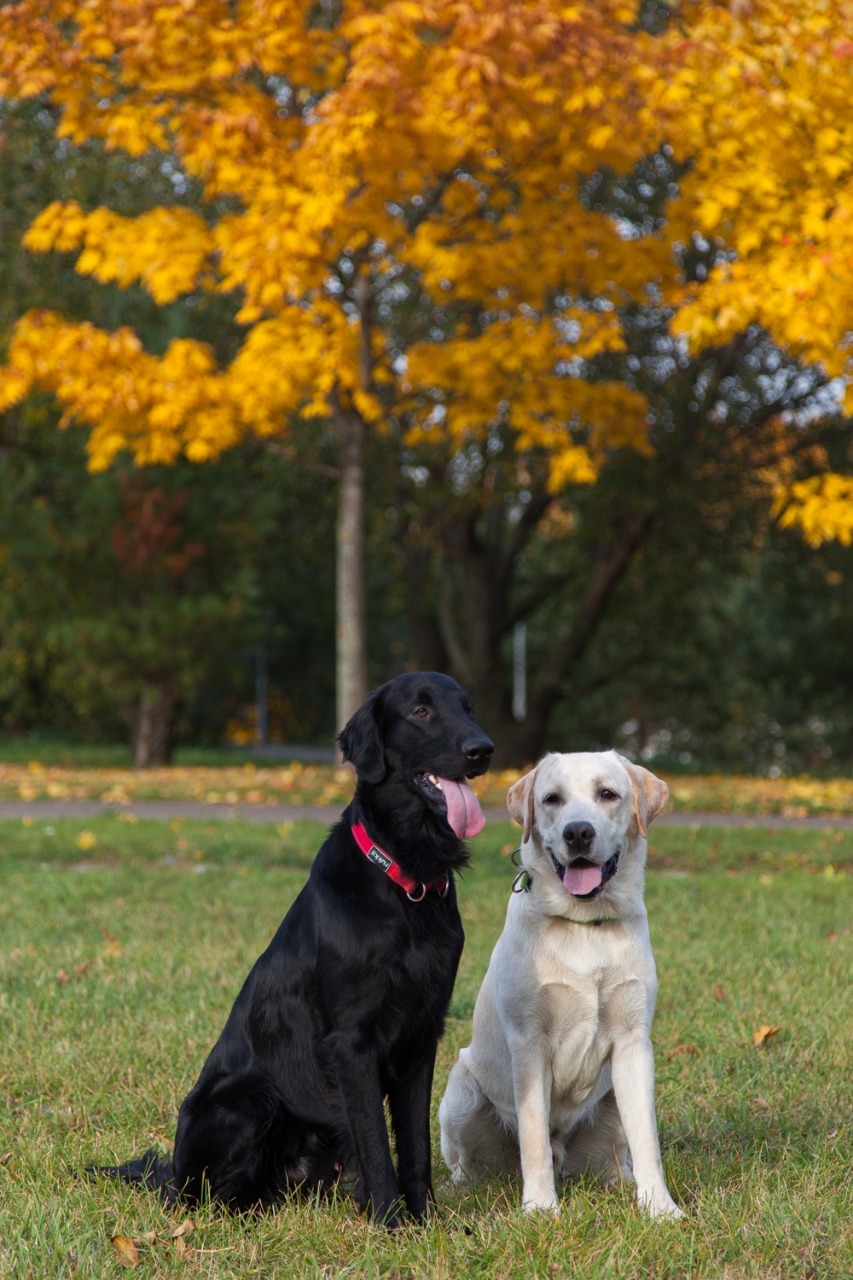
124 944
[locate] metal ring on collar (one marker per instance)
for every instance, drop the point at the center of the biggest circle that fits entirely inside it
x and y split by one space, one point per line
522 882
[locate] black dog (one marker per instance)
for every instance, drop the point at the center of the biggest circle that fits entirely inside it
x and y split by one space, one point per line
346 1006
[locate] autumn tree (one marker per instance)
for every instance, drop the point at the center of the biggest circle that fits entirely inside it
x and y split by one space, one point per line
611 582
393 194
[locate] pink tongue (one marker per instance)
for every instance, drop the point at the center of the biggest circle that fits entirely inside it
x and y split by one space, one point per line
463 808
581 880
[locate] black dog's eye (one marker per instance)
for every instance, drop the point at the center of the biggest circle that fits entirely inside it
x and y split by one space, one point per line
606 794
420 712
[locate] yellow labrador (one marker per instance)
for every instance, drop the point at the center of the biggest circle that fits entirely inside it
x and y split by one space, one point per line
560 1071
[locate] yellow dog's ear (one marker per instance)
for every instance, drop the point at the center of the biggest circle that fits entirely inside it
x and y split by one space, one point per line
650 793
519 801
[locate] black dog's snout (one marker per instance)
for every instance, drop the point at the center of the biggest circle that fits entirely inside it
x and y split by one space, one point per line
478 751
578 837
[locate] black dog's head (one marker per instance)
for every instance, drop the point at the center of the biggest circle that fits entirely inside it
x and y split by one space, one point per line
419 731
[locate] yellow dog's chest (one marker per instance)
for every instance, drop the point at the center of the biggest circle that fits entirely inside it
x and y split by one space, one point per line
583 1016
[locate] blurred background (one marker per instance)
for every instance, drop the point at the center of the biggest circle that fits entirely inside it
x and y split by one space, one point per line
657 605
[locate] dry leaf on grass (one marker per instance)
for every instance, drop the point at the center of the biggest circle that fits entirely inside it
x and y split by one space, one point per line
128 1254
683 1047
127 1250
763 1035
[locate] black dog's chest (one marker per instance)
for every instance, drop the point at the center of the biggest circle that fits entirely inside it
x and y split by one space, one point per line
417 968
417 991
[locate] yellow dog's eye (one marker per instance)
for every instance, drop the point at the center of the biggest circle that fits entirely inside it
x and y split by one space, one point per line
553 798
606 794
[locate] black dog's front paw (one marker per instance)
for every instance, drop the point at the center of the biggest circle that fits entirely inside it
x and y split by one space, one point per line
391 1216
420 1202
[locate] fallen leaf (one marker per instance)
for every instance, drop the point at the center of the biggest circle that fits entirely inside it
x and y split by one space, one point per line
184 1229
763 1035
128 1254
683 1047
182 1249
62 977
719 992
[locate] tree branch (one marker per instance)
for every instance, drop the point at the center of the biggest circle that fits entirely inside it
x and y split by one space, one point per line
590 613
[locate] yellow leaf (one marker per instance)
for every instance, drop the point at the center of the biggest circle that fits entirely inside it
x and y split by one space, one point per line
128 1254
764 1035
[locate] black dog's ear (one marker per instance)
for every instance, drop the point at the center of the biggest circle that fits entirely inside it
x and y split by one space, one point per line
361 740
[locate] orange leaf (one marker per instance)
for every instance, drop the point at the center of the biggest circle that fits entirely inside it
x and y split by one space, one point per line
128 1254
678 1050
763 1035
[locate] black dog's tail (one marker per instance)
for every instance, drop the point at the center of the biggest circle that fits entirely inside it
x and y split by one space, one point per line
149 1170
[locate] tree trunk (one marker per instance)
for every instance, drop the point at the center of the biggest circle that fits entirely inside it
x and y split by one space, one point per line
475 617
154 726
351 610
351 589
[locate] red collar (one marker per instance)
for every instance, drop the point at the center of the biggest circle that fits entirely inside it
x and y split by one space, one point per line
415 889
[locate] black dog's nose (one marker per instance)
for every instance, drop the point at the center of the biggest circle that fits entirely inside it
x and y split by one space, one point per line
578 836
478 751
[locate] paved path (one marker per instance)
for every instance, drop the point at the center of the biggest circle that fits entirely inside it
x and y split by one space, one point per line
174 809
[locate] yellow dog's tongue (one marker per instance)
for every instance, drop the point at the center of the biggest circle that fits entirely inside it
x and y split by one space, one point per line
463 808
581 880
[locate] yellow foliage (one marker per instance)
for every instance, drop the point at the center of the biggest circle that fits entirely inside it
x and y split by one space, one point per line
760 100
441 141
821 507
164 250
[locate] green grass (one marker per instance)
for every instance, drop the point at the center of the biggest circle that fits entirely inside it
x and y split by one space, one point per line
124 943
51 749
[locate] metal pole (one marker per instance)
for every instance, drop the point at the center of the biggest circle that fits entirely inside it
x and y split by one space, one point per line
262 684
519 670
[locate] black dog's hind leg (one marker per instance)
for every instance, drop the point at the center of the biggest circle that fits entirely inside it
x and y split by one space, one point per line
409 1102
228 1141
238 1141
